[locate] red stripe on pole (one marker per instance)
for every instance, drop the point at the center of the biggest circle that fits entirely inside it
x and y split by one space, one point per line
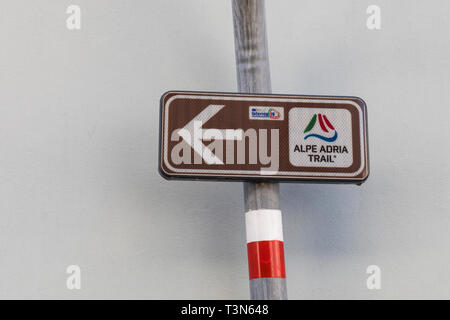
266 259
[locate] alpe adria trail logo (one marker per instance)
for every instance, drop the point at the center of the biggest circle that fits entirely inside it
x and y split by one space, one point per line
325 126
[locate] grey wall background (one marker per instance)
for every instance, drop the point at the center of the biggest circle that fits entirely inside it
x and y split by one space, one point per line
79 136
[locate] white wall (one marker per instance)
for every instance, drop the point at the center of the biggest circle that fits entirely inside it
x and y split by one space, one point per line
79 137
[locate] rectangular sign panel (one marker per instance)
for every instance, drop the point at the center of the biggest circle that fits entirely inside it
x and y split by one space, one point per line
206 135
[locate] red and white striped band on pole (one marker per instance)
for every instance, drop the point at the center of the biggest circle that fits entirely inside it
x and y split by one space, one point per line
265 244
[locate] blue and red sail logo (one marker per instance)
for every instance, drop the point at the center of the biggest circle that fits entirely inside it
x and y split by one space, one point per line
326 127
274 114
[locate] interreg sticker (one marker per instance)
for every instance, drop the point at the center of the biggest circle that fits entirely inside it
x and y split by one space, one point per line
266 113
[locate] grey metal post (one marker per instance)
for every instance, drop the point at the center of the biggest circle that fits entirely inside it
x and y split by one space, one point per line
253 76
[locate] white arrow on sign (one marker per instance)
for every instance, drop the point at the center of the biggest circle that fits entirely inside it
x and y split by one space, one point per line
193 134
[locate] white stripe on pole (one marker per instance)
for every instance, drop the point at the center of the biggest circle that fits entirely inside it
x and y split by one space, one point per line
263 225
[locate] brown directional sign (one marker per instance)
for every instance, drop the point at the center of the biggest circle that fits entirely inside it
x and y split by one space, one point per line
206 135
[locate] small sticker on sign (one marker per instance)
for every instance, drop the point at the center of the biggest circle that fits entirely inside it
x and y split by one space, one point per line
266 113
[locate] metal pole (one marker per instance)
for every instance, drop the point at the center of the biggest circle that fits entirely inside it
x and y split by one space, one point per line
253 76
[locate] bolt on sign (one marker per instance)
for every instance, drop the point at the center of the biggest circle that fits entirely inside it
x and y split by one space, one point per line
206 135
